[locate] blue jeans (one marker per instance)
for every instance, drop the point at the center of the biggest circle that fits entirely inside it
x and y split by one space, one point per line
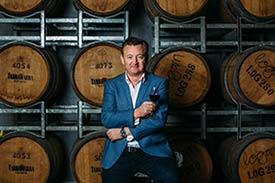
161 170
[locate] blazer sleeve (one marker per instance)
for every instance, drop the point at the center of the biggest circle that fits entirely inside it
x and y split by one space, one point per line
113 116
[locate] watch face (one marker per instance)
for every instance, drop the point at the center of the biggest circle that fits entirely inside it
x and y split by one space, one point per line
129 138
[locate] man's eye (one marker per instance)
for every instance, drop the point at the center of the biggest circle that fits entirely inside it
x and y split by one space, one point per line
129 57
140 57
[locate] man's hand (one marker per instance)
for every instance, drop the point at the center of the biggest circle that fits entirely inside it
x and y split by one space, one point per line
114 133
146 108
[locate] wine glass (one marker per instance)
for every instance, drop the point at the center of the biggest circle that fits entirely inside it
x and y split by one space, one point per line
154 96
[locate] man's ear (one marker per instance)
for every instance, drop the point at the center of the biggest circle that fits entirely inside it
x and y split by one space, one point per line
121 59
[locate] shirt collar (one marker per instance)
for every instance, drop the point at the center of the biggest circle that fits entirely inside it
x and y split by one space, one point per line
142 78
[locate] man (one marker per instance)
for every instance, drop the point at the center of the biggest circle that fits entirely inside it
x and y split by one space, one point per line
135 140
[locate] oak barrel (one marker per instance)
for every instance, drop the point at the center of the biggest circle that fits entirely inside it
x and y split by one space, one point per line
105 7
91 67
251 159
188 74
194 161
175 10
249 78
28 7
27 158
28 74
86 156
255 11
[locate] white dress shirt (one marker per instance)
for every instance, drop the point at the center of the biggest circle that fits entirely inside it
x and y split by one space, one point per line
134 93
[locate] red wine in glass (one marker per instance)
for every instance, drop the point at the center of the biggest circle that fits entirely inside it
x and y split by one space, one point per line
154 96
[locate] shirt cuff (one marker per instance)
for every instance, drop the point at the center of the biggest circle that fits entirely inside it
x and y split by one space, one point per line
137 121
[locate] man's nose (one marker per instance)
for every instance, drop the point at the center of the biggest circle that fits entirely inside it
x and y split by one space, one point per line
135 60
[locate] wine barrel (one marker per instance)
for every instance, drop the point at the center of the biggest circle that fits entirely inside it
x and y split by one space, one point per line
91 67
27 158
105 7
248 78
175 10
188 74
23 8
86 156
28 74
255 11
251 159
194 161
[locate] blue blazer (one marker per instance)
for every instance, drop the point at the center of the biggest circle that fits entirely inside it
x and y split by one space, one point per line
117 112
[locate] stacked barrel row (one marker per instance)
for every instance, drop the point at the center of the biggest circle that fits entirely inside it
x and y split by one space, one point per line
53 8
176 10
29 158
29 74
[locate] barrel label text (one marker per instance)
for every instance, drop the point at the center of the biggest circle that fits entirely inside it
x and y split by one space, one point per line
17 97
260 80
21 65
20 169
96 169
98 81
21 155
98 157
262 62
19 77
260 157
262 171
104 65
182 78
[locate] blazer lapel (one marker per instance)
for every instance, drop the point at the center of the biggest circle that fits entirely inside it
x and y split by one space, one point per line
143 92
124 87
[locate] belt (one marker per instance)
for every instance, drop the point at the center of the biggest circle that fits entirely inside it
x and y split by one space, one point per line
131 149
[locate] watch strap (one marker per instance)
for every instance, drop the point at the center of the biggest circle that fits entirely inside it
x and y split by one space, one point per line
123 133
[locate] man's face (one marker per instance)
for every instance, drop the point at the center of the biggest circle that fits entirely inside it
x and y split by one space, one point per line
134 58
